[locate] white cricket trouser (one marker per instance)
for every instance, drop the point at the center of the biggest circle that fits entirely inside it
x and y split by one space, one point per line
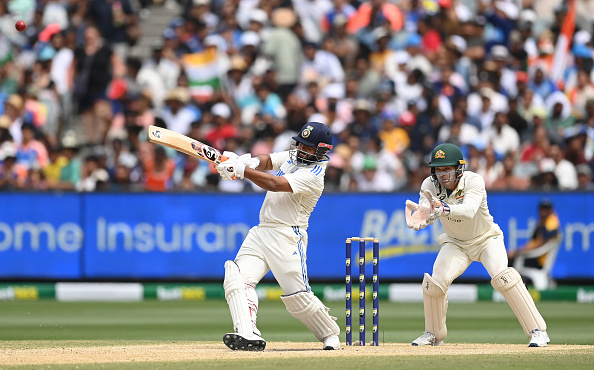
452 260
280 249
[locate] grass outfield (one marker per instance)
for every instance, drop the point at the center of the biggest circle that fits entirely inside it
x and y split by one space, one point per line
189 326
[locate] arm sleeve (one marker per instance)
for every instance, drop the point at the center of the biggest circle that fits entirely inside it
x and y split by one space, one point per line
278 159
427 185
473 198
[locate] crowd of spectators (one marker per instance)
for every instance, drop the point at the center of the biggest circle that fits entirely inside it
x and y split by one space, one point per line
390 78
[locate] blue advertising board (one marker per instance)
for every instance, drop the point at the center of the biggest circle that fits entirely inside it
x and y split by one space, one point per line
135 236
41 236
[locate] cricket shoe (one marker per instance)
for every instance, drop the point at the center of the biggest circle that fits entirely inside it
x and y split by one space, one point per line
238 342
427 339
539 338
331 342
255 329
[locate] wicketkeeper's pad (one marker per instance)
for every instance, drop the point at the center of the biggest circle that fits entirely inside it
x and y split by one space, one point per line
509 283
435 304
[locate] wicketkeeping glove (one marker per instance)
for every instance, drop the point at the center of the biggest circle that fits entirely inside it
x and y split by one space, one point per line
438 208
416 215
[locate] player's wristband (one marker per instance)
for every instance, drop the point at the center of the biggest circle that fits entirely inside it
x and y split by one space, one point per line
446 208
240 170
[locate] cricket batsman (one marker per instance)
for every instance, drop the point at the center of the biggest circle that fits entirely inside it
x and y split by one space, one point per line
459 199
279 242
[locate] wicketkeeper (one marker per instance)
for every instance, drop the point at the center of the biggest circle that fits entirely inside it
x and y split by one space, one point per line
459 199
279 242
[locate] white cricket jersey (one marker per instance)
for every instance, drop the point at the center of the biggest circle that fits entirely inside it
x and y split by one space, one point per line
293 209
469 216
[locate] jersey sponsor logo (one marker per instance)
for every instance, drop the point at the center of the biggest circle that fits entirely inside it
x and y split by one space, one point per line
440 154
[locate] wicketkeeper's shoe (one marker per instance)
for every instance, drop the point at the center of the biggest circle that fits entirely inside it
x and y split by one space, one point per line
331 342
427 339
539 338
238 342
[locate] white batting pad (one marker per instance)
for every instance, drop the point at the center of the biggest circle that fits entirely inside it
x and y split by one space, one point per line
435 303
306 307
252 300
509 283
237 300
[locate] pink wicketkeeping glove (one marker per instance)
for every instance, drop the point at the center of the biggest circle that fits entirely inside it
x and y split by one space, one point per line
416 215
438 207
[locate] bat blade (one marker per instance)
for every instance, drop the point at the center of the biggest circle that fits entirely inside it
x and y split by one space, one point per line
184 144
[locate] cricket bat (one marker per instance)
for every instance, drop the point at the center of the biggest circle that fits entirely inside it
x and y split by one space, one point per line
184 144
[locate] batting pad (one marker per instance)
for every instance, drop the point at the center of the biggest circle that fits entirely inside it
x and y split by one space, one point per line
306 307
435 303
237 300
509 283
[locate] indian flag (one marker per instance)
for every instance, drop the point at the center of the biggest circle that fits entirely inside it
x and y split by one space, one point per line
203 73
563 43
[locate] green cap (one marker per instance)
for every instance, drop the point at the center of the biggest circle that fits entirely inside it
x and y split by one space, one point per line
446 154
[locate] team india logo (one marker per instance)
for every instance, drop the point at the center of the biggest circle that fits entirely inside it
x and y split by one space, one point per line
440 154
306 131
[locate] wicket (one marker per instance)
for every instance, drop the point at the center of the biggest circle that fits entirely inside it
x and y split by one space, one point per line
349 290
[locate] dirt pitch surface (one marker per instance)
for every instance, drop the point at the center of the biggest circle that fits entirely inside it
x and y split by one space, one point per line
81 352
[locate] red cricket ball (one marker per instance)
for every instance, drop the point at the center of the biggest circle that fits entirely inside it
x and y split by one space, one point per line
20 26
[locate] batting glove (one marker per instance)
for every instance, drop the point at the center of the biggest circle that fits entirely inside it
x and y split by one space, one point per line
247 159
231 169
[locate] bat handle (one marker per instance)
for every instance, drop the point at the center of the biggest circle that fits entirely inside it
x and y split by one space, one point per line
224 158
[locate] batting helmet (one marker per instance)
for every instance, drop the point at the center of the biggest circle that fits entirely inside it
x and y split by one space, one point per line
316 135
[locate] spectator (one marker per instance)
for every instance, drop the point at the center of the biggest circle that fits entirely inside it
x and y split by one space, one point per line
177 113
564 170
31 153
543 245
70 173
503 138
372 180
459 131
158 171
222 129
507 179
92 66
584 173
13 175
116 22
284 49
491 168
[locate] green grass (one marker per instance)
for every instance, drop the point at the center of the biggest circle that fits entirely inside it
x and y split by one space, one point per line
483 322
538 361
53 324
